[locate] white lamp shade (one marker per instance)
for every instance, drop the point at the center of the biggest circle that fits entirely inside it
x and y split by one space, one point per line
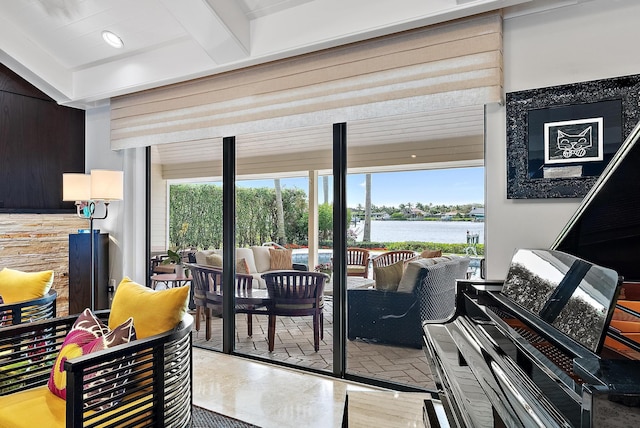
76 187
107 185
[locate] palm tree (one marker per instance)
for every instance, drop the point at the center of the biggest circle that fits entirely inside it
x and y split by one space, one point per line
366 237
325 188
281 237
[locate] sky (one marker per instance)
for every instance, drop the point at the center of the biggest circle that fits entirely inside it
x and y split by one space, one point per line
444 186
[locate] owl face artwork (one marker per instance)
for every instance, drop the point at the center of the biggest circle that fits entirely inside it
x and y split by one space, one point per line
574 141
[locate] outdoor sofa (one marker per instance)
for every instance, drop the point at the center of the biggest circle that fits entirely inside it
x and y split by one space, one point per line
394 316
255 261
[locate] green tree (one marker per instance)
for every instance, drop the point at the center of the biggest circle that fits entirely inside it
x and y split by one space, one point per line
200 206
325 221
366 236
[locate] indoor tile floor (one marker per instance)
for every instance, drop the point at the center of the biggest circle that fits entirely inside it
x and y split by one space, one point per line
267 395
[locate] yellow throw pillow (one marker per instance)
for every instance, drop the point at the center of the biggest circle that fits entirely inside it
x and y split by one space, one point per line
153 311
280 259
17 286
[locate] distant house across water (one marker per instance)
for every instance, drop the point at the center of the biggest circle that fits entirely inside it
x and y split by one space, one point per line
477 214
448 216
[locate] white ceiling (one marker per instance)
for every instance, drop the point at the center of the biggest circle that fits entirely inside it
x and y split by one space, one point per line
57 44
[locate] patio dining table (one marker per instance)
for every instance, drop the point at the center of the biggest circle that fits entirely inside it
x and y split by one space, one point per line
252 296
170 280
352 282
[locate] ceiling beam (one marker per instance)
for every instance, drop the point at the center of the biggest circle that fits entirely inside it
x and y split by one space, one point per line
222 30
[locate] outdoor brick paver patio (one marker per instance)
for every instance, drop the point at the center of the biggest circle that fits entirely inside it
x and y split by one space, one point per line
294 345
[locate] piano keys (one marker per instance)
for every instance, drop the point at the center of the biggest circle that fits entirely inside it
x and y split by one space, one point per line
513 357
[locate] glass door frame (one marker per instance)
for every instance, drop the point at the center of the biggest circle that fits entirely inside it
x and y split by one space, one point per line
340 228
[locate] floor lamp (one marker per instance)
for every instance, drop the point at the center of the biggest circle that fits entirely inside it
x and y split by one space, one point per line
88 191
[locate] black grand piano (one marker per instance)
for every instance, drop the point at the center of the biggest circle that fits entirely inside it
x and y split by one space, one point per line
557 343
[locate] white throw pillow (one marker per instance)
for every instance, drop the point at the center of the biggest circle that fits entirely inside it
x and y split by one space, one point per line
201 256
247 254
411 272
262 258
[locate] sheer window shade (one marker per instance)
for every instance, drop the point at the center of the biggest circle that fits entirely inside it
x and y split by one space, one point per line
447 66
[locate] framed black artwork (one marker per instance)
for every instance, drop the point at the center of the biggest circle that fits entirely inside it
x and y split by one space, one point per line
560 138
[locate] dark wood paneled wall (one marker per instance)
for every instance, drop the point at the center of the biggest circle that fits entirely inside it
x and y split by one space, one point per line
39 140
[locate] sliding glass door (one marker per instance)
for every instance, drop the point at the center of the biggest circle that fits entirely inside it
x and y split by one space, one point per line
186 217
341 205
283 232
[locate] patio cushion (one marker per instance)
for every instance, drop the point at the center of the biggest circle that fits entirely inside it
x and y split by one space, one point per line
247 254
428 254
410 275
17 286
153 311
262 258
242 266
201 256
355 269
280 259
214 260
388 277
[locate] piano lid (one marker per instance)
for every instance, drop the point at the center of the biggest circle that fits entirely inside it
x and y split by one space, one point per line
605 229
571 294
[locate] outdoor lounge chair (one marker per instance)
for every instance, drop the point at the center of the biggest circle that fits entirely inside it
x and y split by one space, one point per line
394 317
358 262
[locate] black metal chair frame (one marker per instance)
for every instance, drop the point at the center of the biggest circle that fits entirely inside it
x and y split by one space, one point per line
29 310
160 382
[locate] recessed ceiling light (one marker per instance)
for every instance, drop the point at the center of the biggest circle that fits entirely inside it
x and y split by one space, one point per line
414 156
112 39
